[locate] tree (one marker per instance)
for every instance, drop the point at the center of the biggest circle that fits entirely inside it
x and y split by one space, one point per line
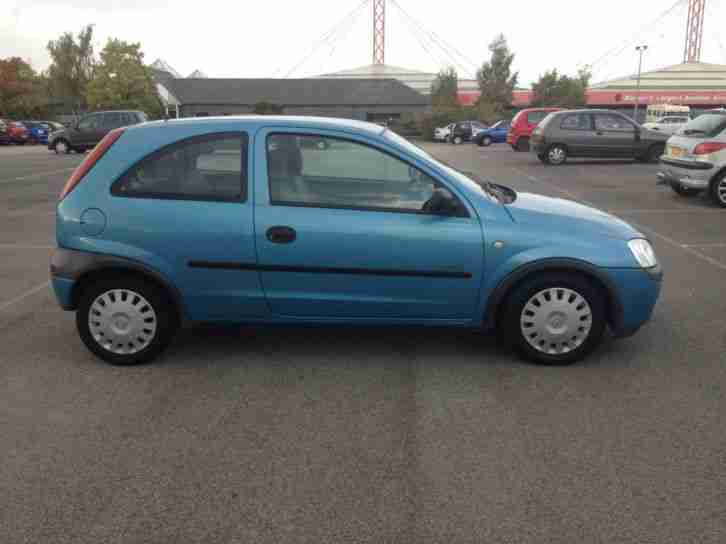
267 108
22 91
122 81
445 88
495 77
554 89
71 67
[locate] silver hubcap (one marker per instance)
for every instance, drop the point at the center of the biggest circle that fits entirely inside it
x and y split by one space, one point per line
487 141
556 321
122 321
721 189
61 147
556 155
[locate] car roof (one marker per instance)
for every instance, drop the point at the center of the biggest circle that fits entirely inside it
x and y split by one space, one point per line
268 120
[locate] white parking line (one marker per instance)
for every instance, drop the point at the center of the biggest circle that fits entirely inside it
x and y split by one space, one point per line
25 295
707 244
38 175
670 210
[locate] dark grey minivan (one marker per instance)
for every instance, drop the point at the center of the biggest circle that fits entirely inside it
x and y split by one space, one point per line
596 134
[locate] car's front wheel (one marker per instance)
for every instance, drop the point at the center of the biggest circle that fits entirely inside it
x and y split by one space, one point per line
125 321
458 140
61 147
554 318
486 141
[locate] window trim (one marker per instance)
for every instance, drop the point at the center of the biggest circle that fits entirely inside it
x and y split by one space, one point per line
244 177
462 213
592 122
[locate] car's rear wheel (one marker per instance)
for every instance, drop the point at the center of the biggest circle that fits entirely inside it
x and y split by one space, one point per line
654 153
458 140
61 147
125 321
684 191
486 141
556 154
555 318
718 190
523 144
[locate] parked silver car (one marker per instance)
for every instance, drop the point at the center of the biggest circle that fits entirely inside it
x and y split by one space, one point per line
670 124
695 158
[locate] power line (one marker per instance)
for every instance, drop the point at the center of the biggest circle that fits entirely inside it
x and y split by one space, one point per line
450 51
623 45
327 36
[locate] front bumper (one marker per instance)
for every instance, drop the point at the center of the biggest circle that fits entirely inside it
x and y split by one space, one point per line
638 291
693 175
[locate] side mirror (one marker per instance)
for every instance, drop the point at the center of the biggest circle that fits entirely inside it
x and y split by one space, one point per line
442 202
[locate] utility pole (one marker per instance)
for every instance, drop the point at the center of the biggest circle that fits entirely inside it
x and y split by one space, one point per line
640 49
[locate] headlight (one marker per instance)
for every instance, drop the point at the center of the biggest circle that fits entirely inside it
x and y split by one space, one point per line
643 252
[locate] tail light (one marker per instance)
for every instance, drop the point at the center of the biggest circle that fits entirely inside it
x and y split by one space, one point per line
706 148
90 161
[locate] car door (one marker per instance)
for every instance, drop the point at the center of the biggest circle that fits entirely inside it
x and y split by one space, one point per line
86 131
577 132
616 136
186 207
340 233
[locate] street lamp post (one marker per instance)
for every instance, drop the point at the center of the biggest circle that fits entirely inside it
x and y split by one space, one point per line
640 49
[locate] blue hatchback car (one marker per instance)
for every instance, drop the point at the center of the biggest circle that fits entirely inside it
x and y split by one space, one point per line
310 220
495 134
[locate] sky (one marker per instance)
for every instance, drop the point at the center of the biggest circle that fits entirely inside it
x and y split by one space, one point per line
293 38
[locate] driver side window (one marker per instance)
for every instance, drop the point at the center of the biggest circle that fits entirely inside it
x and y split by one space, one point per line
318 171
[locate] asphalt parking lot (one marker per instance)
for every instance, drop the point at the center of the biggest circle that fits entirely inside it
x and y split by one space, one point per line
330 435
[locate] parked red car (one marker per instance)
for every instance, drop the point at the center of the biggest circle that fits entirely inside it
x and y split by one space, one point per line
523 124
17 132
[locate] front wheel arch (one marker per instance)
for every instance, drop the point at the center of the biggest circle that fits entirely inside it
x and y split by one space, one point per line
496 302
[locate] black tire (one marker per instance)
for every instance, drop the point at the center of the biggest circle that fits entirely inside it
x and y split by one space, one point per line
523 144
514 305
542 157
167 322
556 155
686 192
654 153
718 190
65 143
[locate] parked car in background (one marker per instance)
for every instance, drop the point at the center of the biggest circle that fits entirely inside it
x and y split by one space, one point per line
464 131
37 132
596 134
495 134
523 124
158 227
4 137
669 125
441 134
90 129
695 158
17 132
52 126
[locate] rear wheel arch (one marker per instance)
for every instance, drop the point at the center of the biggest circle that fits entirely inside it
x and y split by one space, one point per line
94 275
498 299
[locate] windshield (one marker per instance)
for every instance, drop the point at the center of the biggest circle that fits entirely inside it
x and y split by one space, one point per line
467 180
708 124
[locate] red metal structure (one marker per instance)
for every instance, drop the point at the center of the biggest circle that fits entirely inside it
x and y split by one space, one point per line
379 31
694 30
